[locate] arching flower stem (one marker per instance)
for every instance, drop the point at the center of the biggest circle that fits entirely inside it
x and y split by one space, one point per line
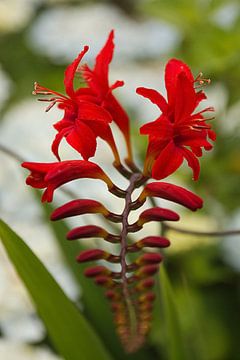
129 303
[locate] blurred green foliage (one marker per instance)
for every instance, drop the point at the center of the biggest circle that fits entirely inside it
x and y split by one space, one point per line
206 288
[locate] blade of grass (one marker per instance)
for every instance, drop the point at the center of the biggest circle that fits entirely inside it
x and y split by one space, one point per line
174 342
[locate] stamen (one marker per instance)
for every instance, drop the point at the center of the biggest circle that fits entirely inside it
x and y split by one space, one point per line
201 81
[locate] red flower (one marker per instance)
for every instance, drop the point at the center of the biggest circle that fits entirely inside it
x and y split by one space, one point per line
178 133
53 175
83 120
100 90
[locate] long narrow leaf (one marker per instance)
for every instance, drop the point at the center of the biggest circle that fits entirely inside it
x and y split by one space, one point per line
71 334
174 341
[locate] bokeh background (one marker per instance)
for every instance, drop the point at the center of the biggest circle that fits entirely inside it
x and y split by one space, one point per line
38 39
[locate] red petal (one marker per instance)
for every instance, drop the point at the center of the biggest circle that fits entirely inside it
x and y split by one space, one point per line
161 128
64 123
212 135
82 139
90 111
119 115
167 162
57 140
173 68
70 72
155 97
103 60
103 130
41 168
193 162
185 101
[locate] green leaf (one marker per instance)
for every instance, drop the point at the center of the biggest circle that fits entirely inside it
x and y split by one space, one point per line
174 341
70 332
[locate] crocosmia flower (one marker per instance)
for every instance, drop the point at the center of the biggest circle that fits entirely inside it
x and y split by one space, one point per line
179 132
83 119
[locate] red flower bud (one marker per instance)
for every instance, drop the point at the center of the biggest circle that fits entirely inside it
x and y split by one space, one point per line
87 231
149 258
157 214
148 297
96 270
145 284
92 254
153 241
53 175
146 270
112 295
104 281
173 193
96 254
78 207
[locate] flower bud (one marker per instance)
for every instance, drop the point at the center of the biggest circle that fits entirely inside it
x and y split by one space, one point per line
146 270
96 270
145 284
149 241
87 231
96 254
157 214
105 281
149 258
173 193
78 207
147 297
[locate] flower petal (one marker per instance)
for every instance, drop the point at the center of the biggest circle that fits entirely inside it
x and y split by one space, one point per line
56 142
192 161
103 60
161 128
104 131
167 162
70 72
155 97
185 101
173 68
90 111
119 115
82 139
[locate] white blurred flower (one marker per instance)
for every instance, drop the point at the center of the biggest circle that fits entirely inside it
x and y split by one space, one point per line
60 33
226 15
10 350
15 14
5 87
231 244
